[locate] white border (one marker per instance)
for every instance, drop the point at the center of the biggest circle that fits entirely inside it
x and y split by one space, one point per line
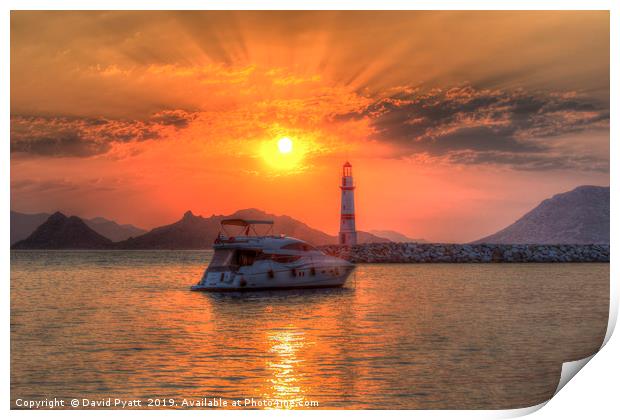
310 5
594 394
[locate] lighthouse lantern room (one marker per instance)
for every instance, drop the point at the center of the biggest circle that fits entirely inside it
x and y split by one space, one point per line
348 234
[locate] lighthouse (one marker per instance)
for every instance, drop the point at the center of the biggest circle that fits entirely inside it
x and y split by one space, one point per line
348 235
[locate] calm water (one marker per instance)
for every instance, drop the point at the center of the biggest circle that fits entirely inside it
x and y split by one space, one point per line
124 325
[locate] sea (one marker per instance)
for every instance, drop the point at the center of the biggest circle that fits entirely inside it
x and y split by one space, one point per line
106 328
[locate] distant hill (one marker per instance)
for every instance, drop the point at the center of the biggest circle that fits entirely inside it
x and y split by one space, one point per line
197 232
367 238
297 229
191 232
62 232
112 230
395 236
580 216
23 224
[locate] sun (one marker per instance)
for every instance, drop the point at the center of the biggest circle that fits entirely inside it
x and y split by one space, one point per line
284 155
285 145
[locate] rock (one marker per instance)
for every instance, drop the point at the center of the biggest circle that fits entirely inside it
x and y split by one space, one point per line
455 253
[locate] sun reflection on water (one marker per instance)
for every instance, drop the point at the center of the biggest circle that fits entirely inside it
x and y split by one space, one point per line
284 379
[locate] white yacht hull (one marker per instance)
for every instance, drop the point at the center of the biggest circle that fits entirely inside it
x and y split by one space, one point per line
262 276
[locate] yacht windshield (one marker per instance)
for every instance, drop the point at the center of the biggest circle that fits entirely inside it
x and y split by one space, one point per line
225 259
222 258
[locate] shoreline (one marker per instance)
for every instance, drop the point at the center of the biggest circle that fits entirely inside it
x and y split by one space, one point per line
421 253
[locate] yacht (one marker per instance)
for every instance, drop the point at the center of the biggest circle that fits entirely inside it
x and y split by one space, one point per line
251 261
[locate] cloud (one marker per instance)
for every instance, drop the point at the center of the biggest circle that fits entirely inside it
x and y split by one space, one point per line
55 185
38 186
176 118
68 143
87 136
469 125
531 161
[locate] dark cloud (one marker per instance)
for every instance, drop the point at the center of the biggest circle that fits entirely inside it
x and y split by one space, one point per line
176 118
491 126
531 161
59 144
87 136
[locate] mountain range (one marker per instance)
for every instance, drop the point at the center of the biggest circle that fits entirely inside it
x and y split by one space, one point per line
190 232
197 232
580 216
62 232
23 224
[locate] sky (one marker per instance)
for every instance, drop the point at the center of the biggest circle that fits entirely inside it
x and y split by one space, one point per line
456 123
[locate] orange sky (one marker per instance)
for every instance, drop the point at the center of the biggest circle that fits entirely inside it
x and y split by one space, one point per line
456 123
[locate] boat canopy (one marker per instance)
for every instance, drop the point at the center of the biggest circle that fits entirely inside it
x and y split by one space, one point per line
247 225
246 222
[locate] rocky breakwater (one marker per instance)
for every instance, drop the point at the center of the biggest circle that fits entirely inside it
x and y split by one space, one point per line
467 253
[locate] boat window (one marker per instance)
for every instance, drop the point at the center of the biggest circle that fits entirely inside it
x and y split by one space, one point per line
222 258
246 257
299 246
284 258
226 258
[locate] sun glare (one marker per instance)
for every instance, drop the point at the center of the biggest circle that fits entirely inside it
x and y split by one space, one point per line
282 156
285 145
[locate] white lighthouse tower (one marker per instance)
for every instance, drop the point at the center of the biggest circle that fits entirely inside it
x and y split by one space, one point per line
348 234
